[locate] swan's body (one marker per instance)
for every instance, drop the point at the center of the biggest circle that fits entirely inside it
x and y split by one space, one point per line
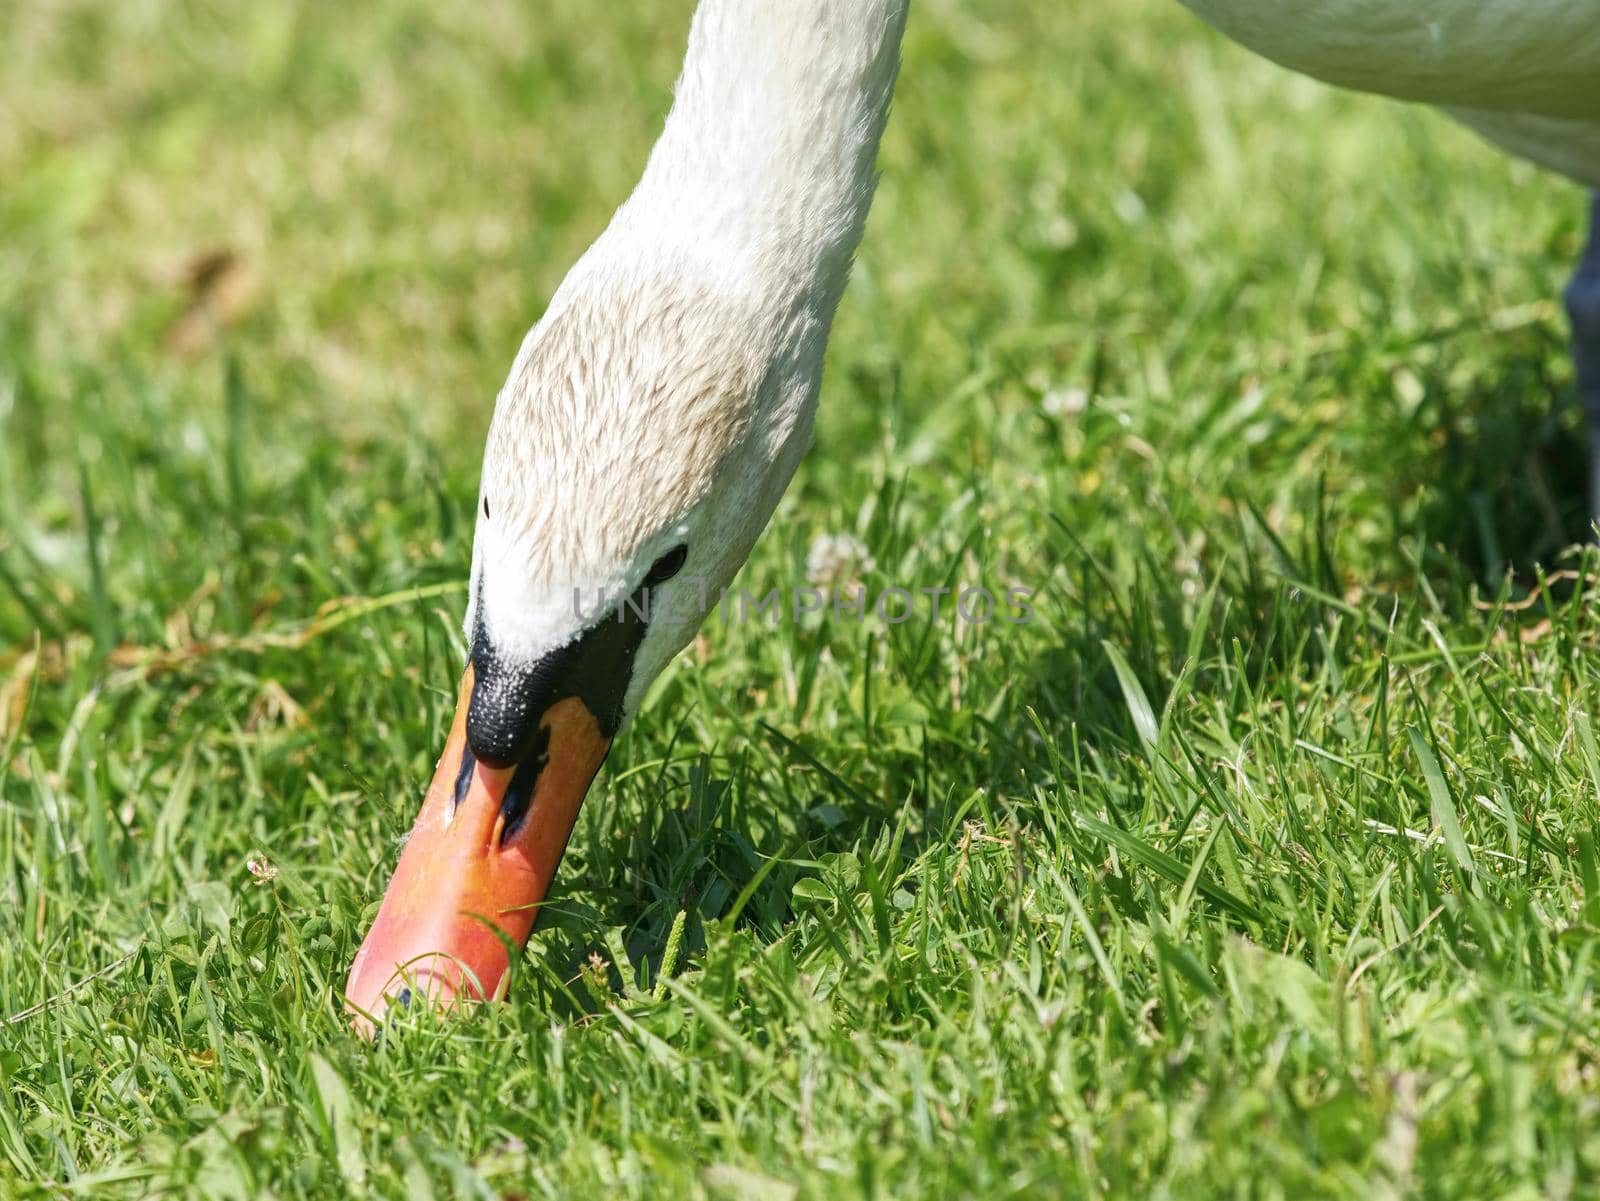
1524 73
1570 145
654 416
1488 60
1538 56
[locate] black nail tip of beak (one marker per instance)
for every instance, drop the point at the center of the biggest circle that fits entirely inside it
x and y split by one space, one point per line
402 1003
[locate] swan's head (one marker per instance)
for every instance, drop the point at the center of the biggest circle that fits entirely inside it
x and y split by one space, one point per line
644 435
640 443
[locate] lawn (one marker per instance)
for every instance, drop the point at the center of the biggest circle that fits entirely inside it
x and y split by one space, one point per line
1261 863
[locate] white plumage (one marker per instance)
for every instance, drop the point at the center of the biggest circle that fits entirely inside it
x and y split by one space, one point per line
1524 73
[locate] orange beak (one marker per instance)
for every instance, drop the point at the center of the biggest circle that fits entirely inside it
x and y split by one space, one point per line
469 887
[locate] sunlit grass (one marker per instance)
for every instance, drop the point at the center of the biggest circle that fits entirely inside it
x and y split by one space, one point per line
1261 863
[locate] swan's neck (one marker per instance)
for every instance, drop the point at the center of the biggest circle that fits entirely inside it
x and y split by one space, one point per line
765 169
669 388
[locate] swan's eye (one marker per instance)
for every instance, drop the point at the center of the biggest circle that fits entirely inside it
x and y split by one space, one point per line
667 566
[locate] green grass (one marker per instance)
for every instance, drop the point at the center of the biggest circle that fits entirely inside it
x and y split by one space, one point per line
1262 864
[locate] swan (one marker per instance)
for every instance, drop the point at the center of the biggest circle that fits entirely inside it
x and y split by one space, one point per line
653 417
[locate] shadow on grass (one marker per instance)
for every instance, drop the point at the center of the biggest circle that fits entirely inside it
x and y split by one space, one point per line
1507 487
1489 479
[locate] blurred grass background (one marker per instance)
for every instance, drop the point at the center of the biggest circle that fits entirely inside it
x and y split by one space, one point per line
1261 865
